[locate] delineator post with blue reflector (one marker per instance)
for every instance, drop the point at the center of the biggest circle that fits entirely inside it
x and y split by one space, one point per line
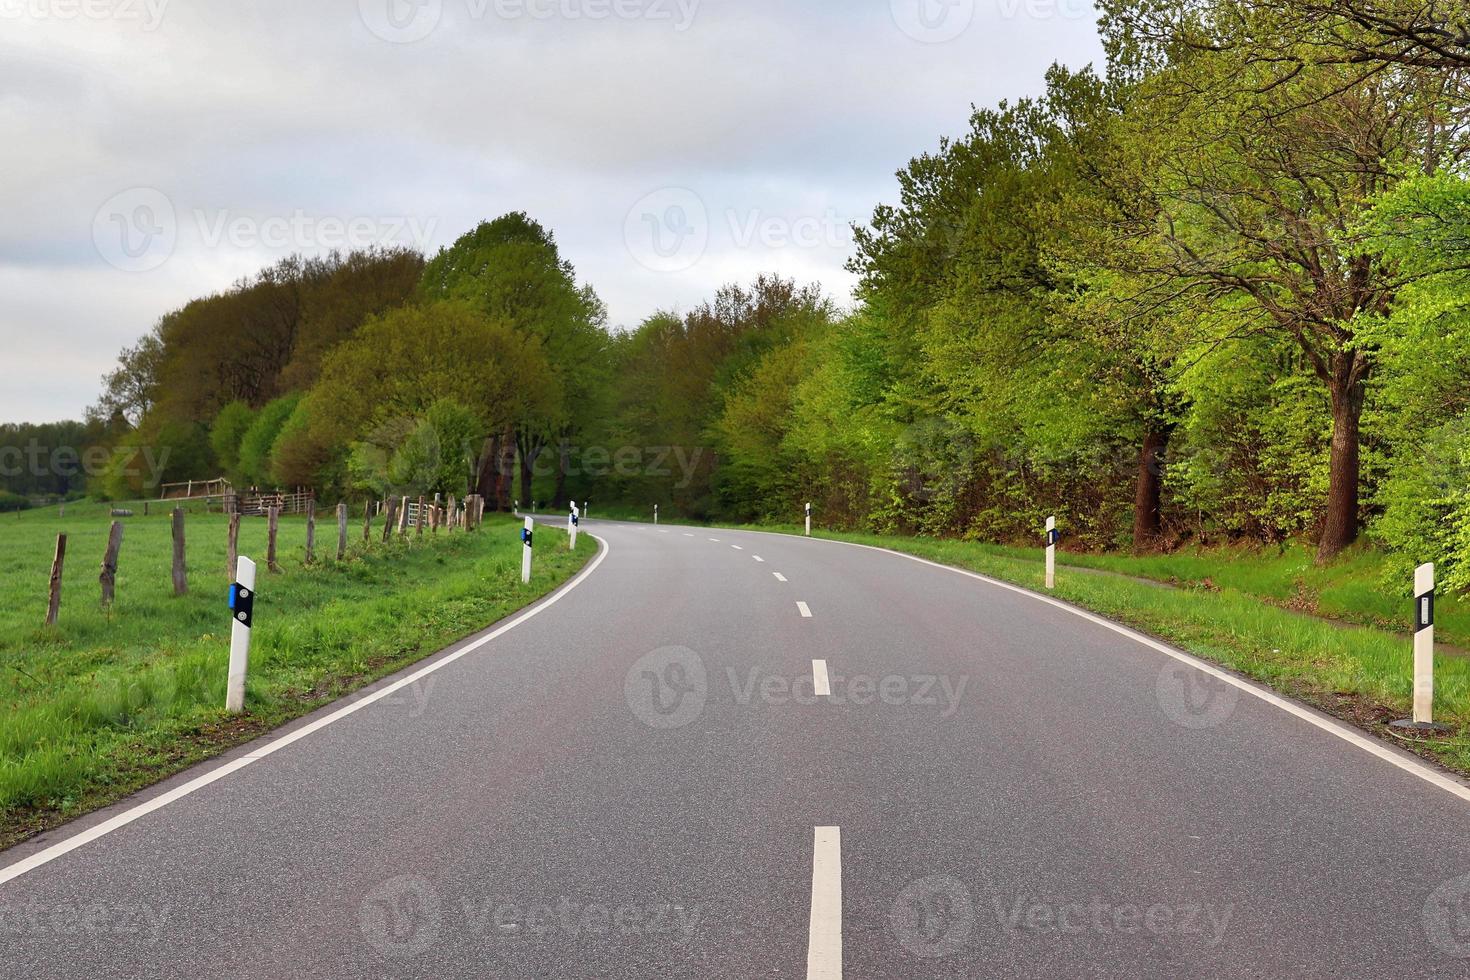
242 619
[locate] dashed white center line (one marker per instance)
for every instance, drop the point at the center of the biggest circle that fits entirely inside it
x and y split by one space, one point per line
805 611
688 535
779 576
715 540
758 558
663 530
737 547
820 682
824 938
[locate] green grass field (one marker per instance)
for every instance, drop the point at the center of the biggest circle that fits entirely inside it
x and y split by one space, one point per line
109 701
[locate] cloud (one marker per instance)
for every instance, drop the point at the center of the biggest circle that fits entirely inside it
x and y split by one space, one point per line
785 121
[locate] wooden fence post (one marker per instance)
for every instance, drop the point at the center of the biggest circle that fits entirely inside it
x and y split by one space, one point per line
232 548
341 531
311 531
181 576
451 509
108 578
274 516
418 525
53 605
367 521
388 524
403 518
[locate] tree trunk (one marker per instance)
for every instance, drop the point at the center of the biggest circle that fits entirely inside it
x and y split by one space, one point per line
497 463
1340 528
530 447
485 467
505 468
1147 520
527 464
563 463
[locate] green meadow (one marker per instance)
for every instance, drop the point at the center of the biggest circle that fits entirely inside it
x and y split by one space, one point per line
111 700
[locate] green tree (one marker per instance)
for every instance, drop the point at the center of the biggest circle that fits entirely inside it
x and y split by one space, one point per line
228 432
260 439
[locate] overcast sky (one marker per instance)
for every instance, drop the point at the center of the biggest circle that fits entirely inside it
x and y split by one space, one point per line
157 150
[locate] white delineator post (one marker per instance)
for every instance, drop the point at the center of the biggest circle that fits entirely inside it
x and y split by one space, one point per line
655 515
584 509
1424 644
242 613
526 550
808 520
1051 552
572 521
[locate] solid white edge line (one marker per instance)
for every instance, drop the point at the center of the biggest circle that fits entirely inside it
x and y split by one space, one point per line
40 858
804 609
824 935
1353 737
820 682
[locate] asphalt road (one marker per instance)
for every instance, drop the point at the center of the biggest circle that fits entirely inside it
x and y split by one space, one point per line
642 780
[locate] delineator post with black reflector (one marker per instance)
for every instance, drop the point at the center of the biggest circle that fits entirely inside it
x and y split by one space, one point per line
1423 719
655 515
573 519
242 617
1052 537
808 520
527 533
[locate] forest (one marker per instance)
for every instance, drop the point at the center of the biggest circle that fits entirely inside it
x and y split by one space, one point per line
1215 290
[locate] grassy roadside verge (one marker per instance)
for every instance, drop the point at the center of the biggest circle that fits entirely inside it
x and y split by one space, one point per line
1363 676
107 703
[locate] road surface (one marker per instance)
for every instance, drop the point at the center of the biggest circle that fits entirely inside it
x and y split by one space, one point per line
732 754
